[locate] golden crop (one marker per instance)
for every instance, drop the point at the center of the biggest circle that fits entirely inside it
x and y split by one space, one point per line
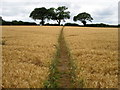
27 55
28 52
95 54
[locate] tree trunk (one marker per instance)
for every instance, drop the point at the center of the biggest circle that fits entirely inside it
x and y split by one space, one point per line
59 21
42 21
84 22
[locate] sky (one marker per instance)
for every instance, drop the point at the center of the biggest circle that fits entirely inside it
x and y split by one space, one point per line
102 11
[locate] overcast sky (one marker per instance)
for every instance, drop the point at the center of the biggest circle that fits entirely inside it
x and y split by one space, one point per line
102 11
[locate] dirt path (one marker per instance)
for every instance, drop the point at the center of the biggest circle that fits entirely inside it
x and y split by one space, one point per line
63 65
60 70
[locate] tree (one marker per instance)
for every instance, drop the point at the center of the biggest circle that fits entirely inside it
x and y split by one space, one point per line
83 17
61 14
51 13
1 20
41 14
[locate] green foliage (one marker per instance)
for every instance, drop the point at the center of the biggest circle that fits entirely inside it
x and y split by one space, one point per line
61 14
83 17
54 75
58 14
51 13
71 24
15 22
42 14
39 13
1 20
99 25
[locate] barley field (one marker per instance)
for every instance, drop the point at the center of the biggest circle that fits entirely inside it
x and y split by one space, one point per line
27 55
28 52
94 52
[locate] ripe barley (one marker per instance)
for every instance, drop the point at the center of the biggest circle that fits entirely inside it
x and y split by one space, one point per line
95 54
27 55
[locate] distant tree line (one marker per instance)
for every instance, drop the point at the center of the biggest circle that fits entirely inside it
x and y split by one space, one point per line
92 25
2 22
118 25
15 22
100 25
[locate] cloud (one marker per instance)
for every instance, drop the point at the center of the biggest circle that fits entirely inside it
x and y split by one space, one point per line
106 14
103 11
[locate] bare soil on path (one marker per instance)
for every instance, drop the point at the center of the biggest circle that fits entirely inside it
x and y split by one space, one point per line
64 65
61 72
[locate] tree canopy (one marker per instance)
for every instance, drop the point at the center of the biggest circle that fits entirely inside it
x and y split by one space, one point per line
42 14
83 17
61 14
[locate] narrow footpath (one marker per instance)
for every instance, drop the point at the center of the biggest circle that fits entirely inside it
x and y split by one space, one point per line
61 72
64 65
